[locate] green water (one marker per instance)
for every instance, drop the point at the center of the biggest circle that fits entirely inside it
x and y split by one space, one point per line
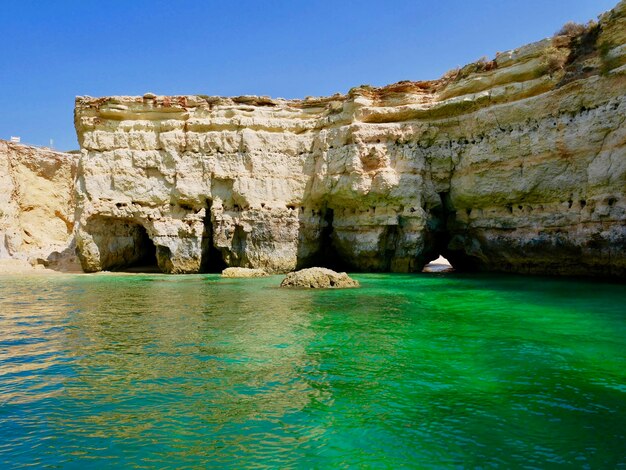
439 371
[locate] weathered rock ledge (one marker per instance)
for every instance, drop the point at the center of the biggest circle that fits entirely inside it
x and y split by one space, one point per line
516 164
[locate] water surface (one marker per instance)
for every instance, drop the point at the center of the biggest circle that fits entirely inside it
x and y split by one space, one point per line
424 371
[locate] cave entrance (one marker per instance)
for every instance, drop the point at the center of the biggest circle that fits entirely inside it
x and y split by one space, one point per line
439 265
447 239
211 260
145 254
121 245
327 255
317 248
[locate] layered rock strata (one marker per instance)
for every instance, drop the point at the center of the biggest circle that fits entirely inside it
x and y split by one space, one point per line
515 164
37 205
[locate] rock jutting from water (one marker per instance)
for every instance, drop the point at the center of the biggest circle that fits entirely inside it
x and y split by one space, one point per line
517 164
243 272
319 278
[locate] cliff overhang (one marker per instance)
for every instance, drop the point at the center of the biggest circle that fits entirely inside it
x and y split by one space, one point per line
515 164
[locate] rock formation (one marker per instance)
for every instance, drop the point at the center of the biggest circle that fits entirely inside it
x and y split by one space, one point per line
243 272
515 164
318 278
37 206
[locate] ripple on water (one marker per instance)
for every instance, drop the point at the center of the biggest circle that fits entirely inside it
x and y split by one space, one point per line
423 371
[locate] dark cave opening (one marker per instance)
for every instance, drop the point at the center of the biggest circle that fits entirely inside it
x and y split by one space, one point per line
145 253
122 245
211 260
444 245
389 245
437 234
446 236
327 256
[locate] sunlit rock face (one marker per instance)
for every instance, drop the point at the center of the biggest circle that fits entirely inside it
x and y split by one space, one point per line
37 205
318 278
518 164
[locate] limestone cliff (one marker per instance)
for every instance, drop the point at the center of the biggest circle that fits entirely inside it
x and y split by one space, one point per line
37 205
515 164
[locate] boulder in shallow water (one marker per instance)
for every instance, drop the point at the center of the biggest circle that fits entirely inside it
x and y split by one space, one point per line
243 272
318 278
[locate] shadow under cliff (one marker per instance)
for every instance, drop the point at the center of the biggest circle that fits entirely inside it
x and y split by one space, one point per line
211 260
394 247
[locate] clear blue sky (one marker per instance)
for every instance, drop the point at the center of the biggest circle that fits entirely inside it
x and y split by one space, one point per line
52 51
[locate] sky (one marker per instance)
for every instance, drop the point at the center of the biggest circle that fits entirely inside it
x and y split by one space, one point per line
52 51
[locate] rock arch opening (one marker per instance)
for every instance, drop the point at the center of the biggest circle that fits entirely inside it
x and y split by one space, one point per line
438 265
450 241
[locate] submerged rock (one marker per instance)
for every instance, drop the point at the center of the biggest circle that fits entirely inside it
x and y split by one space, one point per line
319 278
244 272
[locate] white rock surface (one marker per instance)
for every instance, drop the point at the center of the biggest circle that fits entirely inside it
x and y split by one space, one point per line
37 206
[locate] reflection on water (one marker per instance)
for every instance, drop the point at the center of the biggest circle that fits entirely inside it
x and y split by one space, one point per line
154 370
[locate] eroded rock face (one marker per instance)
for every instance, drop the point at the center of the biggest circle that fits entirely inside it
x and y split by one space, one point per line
319 278
518 164
37 205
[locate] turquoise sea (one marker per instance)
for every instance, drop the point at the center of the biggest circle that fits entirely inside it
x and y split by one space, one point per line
410 371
